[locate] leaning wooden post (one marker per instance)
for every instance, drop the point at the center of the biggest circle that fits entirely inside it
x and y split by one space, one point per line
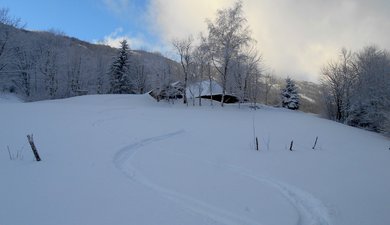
33 148
315 143
10 155
291 145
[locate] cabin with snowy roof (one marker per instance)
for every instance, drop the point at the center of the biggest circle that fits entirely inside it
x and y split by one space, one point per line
203 89
208 90
173 90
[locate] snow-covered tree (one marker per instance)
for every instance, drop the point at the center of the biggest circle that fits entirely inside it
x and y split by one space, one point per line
228 35
24 65
138 78
339 77
203 68
119 69
74 72
356 89
246 73
4 37
49 70
184 49
370 99
290 97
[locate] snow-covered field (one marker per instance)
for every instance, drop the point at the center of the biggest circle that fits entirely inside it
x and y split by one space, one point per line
130 160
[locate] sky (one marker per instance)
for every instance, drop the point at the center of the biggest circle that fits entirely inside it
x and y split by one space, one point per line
295 37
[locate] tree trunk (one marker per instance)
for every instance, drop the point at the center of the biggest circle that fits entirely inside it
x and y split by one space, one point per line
211 90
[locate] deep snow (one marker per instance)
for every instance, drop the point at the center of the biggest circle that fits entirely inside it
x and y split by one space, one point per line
129 160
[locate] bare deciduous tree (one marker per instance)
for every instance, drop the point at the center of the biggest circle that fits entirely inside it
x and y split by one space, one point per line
357 89
7 19
269 81
74 72
49 69
4 38
25 67
228 35
101 78
339 77
138 79
184 50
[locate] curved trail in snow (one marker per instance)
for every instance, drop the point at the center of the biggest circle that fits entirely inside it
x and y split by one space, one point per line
311 211
213 214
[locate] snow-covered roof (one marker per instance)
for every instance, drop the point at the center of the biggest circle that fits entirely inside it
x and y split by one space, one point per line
175 84
202 88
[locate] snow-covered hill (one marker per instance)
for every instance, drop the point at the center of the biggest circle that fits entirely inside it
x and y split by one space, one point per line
129 160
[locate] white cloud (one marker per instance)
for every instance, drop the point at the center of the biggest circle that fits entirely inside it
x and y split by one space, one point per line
178 18
296 37
117 36
137 42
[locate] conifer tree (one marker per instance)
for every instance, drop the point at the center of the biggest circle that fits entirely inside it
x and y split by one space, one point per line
118 73
290 97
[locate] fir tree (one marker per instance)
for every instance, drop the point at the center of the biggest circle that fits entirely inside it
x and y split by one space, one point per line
118 73
290 97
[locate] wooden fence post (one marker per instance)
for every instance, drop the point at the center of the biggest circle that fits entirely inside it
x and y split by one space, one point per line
291 145
33 148
315 143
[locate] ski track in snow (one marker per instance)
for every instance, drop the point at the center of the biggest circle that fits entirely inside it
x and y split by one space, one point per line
98 122
311 211
213 214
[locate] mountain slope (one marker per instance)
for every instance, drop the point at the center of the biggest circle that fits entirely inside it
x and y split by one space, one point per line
32 62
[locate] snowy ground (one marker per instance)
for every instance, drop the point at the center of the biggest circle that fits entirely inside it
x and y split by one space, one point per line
129 160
